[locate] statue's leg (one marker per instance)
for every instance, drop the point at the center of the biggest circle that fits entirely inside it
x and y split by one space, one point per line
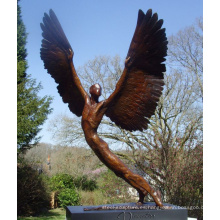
141 194
100 147
136 181
139 183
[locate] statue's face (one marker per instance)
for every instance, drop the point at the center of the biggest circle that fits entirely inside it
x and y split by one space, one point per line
95 90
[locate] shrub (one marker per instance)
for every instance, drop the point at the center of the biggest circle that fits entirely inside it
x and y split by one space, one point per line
65 187
84 183
61 181
32 194
68 197
66 193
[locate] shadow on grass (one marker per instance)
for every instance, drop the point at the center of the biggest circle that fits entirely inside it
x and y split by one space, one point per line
58 214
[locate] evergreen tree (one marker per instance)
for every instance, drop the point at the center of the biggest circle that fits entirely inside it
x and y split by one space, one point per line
32 110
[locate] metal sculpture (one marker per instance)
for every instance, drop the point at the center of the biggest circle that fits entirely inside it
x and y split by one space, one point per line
135 97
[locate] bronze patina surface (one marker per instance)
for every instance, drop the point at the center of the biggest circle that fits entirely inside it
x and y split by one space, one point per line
134 99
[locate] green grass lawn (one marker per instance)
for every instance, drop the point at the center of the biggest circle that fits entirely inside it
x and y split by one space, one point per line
58 214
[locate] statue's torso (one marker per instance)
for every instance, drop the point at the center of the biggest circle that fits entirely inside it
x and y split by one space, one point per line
91 118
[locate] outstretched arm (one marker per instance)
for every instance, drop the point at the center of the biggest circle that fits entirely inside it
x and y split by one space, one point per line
118 87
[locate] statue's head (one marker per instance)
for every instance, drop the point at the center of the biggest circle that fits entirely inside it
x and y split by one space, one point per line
95 91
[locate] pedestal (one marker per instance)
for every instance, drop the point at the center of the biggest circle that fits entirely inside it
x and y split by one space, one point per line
126 211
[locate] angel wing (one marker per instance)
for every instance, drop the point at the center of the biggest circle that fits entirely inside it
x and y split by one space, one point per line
57 55
138 90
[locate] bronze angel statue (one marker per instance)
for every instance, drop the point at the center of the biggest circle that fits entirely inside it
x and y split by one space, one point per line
134 99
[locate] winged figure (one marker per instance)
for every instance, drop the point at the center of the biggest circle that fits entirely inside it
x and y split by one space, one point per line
134 99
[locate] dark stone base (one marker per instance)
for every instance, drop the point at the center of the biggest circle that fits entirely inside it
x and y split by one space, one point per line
126 211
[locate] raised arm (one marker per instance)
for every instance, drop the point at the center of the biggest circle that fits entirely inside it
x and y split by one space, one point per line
138 90
57 56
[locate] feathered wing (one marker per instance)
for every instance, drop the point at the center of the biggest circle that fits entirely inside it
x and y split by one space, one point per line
57 55
138 90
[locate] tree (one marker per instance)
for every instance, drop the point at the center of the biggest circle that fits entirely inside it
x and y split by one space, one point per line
32 110
32 195
39 157
186 53
52 159
170 151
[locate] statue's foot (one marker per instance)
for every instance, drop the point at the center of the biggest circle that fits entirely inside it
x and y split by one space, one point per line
139 203
158 198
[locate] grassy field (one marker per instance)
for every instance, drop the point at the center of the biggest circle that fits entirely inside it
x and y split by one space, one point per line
58 214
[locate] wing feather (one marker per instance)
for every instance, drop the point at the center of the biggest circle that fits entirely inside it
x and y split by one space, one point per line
138 90
57 55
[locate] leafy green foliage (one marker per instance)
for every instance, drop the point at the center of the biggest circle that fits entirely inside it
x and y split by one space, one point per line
61 181
68 197
32 194
32 110
67 194
84 183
